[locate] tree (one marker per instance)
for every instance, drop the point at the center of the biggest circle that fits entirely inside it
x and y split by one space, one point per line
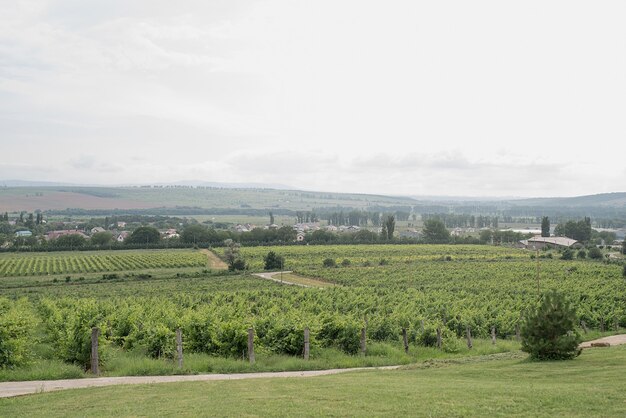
580 231
102 238
435 232
545 226
271 218
595 253
624 246
195 233
70 240
329 262
567 254
144 235
233 258
274 261
383 231
390 224
549 332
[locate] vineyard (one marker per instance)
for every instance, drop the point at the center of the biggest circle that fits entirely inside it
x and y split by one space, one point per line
12 265
383 288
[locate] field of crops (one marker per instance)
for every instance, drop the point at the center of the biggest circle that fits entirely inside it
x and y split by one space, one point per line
383 287
12 265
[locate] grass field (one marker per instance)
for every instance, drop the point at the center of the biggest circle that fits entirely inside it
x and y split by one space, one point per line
495 386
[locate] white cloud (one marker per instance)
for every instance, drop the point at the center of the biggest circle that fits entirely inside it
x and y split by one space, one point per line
403 97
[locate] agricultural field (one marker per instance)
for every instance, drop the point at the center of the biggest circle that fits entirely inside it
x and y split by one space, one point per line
42 264
382 288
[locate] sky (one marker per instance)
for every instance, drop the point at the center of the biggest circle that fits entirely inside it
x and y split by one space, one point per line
449 98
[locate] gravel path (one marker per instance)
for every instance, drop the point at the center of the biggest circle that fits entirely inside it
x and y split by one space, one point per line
270 276
612 340
10 389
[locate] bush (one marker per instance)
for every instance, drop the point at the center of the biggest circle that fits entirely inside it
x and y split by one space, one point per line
428 337
549 333
582 254
567 254
273 261
160 341
449 341
238 264
329 262
284 336
16 323
345 263
341 333
595 253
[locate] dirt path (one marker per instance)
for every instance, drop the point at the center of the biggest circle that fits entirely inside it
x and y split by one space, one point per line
214 261
270 276
10 389
611 340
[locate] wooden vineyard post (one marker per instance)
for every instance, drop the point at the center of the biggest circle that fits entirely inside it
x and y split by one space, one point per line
95 360
306 343
468 332
179 347
251 345
601 324
493 335
583 324
615 324
517 332
439 338
405 340
422 325
363 346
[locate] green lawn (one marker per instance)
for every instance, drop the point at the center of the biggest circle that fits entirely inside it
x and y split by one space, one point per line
507 385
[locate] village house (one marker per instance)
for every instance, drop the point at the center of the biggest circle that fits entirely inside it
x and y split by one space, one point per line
170 233
121 237
97 229
300 237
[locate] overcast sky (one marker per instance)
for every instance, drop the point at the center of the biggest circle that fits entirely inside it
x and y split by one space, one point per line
472 98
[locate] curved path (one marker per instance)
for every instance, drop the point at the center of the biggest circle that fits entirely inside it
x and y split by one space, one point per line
10 389
270 276
611 340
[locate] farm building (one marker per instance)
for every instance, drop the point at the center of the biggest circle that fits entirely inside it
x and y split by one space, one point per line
23 234
300 237
97 229
539 242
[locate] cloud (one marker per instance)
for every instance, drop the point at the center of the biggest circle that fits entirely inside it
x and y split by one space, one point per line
93 164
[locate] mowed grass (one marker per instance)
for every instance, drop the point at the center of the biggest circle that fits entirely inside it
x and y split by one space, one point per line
495 386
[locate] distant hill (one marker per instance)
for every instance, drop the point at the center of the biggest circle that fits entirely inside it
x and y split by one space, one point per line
604 199
149 197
